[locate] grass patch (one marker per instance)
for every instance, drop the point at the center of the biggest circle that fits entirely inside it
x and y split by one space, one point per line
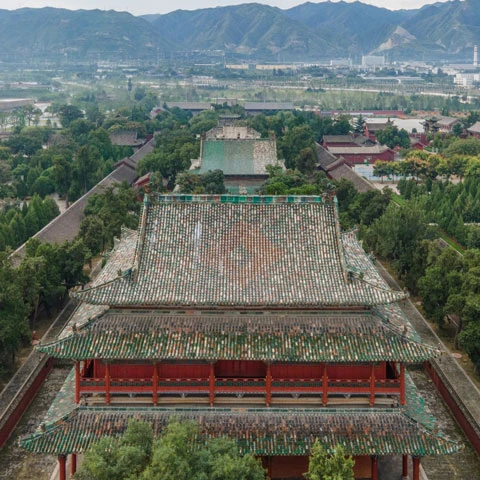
398 199
451 241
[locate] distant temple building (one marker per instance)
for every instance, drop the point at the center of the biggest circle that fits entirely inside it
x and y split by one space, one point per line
239 152
254 317
357 149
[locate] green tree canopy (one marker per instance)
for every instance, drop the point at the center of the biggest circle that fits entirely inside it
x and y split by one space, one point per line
392 137
176 455
323 466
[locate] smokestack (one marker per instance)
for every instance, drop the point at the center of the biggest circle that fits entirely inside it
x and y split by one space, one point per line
475 56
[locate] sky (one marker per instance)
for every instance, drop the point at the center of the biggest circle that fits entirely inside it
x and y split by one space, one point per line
142 7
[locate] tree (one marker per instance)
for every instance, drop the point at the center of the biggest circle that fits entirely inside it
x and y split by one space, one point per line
92 232
359 125
123 458
115 207
293 142
69 113
468 146
323 466
396 234
392 136
306 160
13 314
176 455
441 280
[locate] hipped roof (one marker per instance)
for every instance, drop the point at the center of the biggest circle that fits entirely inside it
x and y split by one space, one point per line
235 251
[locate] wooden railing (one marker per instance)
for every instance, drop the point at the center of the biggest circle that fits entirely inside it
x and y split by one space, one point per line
242 385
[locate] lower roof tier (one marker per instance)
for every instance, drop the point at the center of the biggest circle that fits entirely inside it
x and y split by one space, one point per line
343 337
256 431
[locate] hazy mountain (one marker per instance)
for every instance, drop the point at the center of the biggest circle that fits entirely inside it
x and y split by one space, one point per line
253 29
448 28
356 27
78 34
260 32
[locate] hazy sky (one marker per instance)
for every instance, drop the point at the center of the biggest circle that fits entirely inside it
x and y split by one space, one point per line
140 7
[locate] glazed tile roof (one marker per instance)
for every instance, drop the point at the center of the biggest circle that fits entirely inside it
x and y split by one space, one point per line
368 150
238 156
235 251
328 337
271 431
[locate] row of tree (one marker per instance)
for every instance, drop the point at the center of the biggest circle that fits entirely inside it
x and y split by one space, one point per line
41 280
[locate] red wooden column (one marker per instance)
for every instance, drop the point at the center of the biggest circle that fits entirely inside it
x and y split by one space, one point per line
269 466
402 384
405 466
62 467
212 384
73 463
77 382
374 459
372 386
416 468
155 383
325 386
107 383
268 386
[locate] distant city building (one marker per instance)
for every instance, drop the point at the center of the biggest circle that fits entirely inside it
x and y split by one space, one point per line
8 104
253 108
372 61
341 62
466 79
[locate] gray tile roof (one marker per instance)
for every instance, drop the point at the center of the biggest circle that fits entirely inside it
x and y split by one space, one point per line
66 226
237 251
337 169
272 431
361 150
475 128
320 337
269 106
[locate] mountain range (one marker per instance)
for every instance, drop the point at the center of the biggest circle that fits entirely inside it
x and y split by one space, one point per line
255 32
